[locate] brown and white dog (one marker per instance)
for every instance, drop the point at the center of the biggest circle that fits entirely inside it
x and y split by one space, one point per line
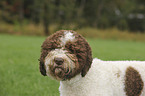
66 56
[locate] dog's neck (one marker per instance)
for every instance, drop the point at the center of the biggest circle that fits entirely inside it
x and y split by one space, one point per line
79 84
74 80
69 87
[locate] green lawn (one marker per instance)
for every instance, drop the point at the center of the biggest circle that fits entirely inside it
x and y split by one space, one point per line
19 68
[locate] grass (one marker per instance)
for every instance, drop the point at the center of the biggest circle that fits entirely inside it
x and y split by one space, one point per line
19 68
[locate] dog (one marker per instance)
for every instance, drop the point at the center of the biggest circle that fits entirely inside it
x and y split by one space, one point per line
67 57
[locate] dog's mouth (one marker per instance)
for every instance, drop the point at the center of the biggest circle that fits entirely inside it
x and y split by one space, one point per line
60 72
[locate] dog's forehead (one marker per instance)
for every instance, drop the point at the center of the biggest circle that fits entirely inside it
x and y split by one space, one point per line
68 36
56 53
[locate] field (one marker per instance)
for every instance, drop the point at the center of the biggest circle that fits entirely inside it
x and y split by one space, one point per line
19 67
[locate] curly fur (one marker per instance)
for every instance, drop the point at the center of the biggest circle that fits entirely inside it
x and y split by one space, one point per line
79 47
79 75
49 44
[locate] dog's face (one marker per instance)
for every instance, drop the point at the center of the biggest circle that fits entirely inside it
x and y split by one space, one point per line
64 55
61 64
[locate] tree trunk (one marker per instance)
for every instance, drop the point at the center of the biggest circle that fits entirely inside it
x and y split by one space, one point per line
80 9
21 11
98 14
46 18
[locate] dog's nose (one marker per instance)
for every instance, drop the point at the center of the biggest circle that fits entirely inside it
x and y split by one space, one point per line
58 61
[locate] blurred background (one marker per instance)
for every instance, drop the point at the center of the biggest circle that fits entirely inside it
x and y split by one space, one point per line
43 17
115 30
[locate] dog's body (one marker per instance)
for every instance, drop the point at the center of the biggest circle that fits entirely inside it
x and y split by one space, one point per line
66 56
107 78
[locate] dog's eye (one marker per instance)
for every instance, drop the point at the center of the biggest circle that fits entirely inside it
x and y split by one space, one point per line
69 51
71 56
58 47
52 48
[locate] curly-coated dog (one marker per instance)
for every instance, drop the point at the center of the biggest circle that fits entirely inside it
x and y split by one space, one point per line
67 57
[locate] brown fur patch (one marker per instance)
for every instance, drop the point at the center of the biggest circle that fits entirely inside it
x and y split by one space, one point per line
133 82
83 52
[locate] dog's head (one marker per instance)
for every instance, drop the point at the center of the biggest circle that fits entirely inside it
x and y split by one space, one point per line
64 55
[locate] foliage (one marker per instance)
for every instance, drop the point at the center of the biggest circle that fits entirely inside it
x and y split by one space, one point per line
102 14
19 68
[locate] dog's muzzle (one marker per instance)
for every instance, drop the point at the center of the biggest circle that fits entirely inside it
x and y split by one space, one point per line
59 65
60 68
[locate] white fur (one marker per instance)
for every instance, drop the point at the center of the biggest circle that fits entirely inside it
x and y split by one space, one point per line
68 36
104 78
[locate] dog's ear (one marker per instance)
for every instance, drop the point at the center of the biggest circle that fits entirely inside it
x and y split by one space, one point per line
42 68
88 62
41 62
82 50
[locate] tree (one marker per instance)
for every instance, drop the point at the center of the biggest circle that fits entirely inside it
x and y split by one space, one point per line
46 19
